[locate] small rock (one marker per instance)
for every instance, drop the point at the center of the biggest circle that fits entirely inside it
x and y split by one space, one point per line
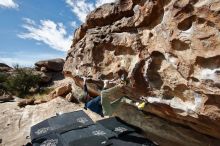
25 102
45 77
61 91
71 98
39 101
43 69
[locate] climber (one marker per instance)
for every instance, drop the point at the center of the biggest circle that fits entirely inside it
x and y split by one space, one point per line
94 104
98 103
110 99
113 97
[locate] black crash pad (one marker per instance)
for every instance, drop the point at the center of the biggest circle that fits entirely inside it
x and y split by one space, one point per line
49 140
131 139
93 130
117 126
61 123
77 129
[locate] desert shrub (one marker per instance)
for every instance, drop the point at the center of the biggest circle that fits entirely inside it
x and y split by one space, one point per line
21 81
42 94
3 77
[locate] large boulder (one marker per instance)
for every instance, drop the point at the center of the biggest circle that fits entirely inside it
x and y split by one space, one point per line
168 50
50 65
163 132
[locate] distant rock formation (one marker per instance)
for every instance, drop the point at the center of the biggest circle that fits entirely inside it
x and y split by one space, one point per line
50 70
169 50
5 68
55 65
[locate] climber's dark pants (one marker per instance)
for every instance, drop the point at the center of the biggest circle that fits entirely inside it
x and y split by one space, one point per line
95 105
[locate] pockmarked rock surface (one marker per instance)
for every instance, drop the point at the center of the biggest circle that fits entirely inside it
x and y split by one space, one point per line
15 122
168 49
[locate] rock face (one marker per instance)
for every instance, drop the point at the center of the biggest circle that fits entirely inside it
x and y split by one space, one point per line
50 65
163 132
169 51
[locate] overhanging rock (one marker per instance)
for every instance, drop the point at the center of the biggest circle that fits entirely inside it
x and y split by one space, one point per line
169 50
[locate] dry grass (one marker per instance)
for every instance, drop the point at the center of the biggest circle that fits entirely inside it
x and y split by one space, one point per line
42 95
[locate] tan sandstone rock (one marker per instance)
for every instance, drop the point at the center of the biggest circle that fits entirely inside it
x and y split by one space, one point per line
25 102
169 51
61 91
69 97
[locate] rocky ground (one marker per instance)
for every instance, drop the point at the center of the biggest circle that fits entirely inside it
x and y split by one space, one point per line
15 122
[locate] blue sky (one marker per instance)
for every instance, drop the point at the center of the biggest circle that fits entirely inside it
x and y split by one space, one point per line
32 30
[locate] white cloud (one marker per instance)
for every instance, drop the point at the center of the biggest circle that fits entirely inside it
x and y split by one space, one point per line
8 4
73 24
81 8
48 32
101 2
29 21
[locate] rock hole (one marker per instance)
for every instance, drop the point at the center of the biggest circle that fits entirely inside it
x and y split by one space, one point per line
150 35
138 76
202 21
179 45
152 72
213 100
194 79
167 93
122 72
107 77
122 50
186 23
211 63
208 69
102 36
156 15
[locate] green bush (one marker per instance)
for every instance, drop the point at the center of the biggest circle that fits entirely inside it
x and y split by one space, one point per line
21 81
3 77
